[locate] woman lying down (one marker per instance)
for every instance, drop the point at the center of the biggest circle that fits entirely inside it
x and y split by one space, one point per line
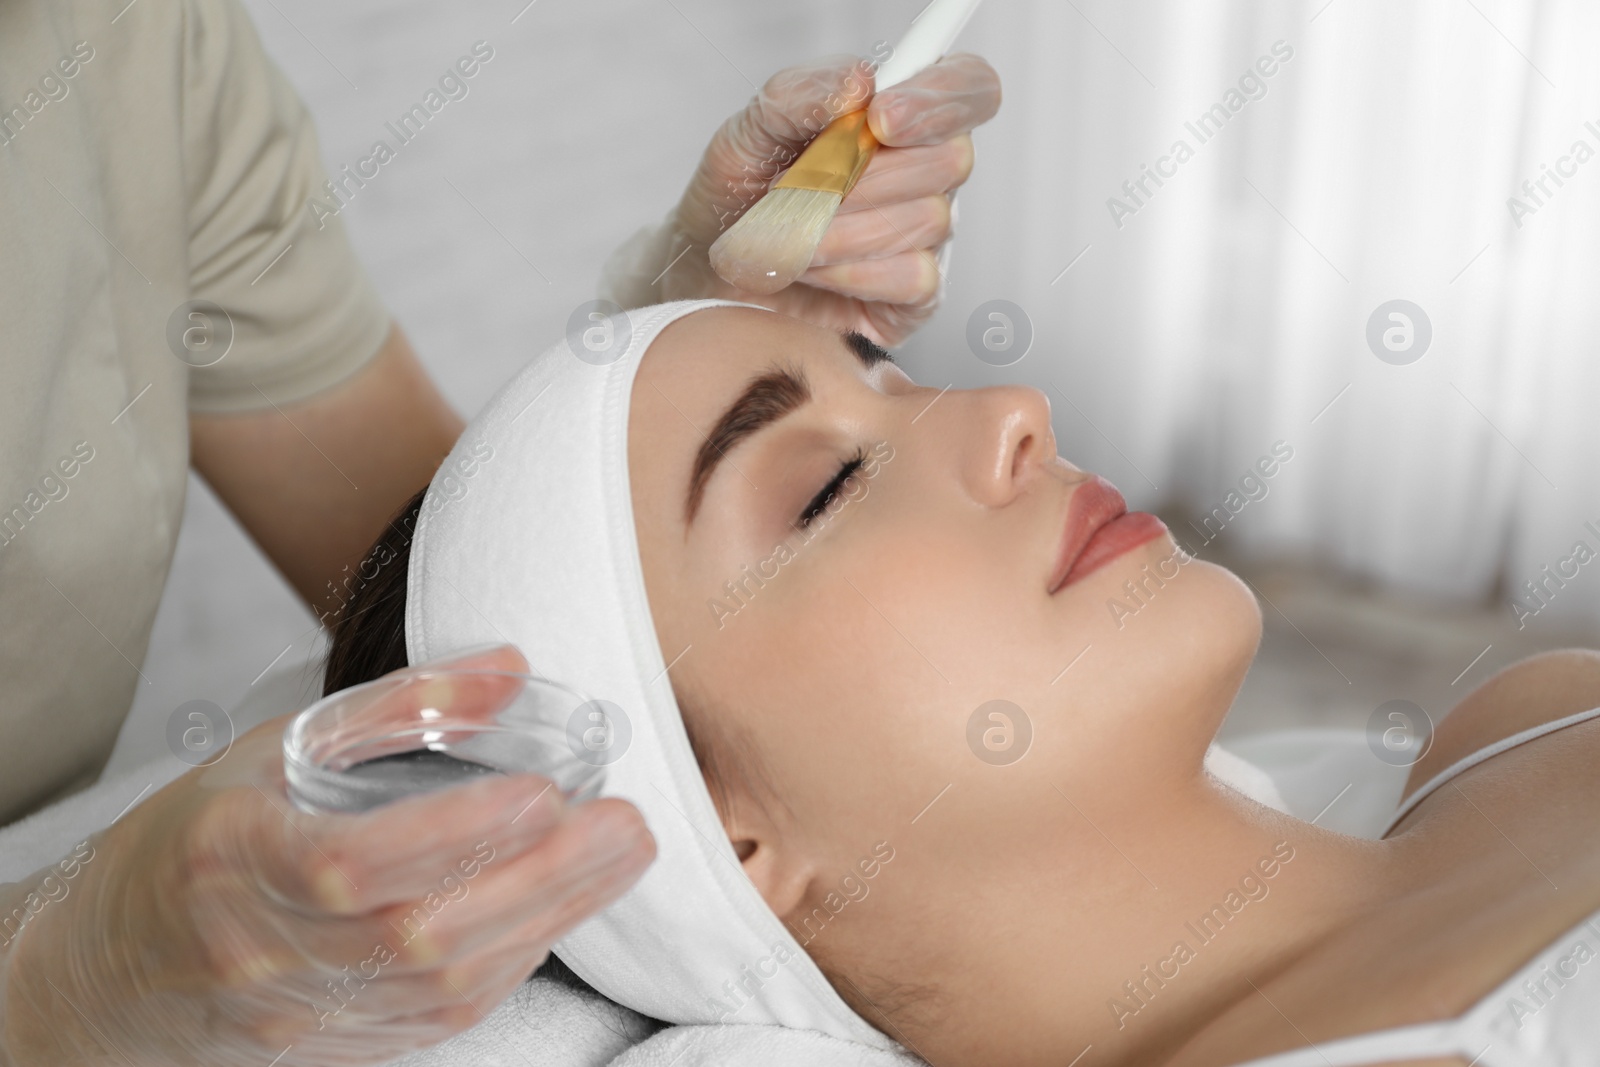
804 579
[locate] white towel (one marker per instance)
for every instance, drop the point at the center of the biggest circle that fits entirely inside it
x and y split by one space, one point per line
1248 778
548 1024
544 1023
731 1045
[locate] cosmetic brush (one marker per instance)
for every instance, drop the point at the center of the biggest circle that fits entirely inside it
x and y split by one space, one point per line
772 244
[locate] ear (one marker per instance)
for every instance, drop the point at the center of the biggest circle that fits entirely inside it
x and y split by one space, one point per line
777 865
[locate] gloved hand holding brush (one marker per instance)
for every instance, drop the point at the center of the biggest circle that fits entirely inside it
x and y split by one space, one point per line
878 266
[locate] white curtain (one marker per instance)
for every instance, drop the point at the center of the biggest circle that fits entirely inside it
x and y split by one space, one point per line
1228 312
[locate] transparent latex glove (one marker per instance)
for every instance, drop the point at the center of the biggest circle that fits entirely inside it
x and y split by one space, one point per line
880 266
215 923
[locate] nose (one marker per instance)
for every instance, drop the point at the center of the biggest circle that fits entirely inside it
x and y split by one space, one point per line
1008 442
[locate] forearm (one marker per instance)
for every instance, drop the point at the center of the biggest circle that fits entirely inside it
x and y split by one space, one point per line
315 482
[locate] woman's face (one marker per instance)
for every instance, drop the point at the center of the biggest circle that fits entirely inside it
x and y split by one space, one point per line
853 656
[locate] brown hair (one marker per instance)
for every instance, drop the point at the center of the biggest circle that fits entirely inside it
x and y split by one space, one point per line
367 632
368 639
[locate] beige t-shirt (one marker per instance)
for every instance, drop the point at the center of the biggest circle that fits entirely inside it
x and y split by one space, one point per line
149 156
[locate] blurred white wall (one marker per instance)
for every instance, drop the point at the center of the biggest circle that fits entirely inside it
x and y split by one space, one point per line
1227 312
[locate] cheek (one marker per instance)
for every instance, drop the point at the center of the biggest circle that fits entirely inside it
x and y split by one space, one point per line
859 668
853 724
860 665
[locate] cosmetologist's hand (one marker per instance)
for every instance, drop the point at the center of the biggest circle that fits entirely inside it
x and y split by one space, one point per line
215 923
878 268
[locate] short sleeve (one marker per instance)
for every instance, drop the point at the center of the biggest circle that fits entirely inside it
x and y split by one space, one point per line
265 241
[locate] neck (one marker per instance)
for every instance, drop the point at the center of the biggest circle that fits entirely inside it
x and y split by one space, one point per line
1138 925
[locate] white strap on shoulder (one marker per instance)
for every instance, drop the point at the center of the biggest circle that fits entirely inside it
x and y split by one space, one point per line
1482 754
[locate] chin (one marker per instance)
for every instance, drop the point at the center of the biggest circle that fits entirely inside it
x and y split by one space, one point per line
1175 632
1158 579
1219 621
1235 615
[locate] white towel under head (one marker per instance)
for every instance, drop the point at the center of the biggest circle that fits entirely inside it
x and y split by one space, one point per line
539 550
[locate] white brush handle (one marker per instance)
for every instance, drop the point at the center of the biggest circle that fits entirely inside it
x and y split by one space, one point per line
930 36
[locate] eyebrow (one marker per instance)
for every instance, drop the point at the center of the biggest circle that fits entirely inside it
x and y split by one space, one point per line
766 399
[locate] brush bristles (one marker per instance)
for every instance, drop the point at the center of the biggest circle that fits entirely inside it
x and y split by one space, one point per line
772 244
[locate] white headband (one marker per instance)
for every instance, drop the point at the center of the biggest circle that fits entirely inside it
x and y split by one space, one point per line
526 536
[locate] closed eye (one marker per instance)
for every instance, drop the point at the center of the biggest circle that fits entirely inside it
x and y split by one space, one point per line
820 502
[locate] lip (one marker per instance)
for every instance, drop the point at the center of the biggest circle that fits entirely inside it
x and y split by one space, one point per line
1099 528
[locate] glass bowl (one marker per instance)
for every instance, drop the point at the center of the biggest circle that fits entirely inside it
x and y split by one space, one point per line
430 729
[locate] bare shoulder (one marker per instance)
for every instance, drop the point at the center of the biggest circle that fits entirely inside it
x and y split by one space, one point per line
1530 692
